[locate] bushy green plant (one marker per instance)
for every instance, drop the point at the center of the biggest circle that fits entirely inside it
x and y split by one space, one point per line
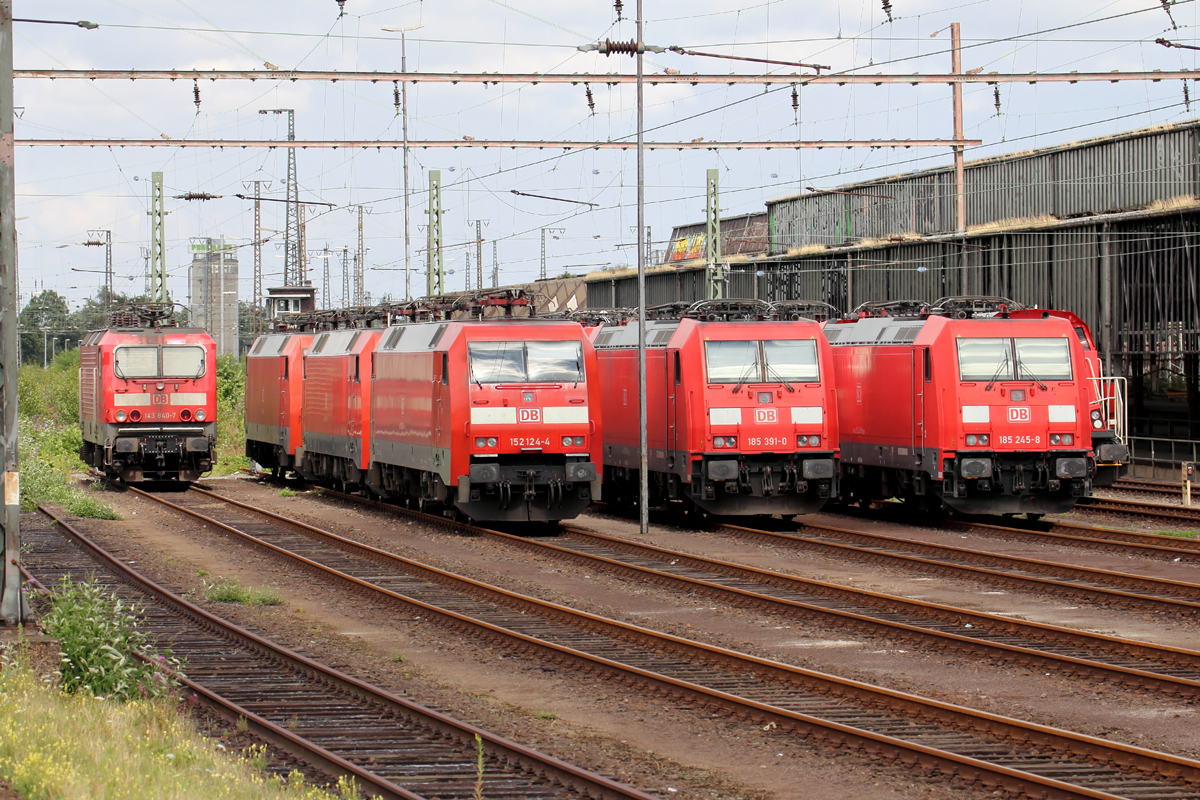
49 453
101 642
51 394
231 415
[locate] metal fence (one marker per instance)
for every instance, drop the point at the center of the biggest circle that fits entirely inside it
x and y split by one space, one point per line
1160 458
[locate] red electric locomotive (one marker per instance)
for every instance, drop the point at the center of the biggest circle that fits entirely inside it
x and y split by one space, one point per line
336 441
959 404
496 419
1106 396
274 399
148 397
741 412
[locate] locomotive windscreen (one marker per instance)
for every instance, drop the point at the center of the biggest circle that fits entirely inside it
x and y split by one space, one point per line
178 361
182 362
1014 359
769 361
526 362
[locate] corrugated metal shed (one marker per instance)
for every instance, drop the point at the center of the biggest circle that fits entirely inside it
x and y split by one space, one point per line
1115 173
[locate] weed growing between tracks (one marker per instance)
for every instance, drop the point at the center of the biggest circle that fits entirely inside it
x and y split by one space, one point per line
231 415
227 590
105 653
49 439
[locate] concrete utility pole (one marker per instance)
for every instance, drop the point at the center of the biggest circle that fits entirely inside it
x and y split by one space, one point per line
158 241
360 265
293 245
960 175
95 240
543 274
712 238
435 276
347 277
479 253
259 311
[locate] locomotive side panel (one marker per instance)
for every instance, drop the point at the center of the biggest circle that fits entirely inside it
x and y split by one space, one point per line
274 398
336 442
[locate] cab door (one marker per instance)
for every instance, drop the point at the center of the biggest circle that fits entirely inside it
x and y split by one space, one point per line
673 380
441 410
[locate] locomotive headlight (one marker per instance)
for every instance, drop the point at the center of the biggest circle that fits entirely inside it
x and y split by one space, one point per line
801 441
718 441
1097 423
566 441
491 442
1095 413
200 415
731 441
578 441
972 439
161 386
1067 438
983 439
813 441
120 416
1055 439
480 441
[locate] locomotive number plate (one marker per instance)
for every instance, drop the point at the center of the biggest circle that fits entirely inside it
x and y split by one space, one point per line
529 441
1018 440
768 441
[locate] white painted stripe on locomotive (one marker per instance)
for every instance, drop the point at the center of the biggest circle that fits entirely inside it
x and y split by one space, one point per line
1061 413
976 414
189 398
725 416
807 415
131 399
494 416
560 415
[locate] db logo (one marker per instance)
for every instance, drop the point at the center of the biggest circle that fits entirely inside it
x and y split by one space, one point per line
765 416
1018 413
159 400
529 415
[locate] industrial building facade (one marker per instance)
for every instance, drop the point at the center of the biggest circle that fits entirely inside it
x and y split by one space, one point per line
1108 228
213 291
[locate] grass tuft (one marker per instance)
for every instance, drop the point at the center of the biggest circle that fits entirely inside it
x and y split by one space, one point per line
285 492
227 590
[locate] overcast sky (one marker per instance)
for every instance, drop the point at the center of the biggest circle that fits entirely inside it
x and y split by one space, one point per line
62 193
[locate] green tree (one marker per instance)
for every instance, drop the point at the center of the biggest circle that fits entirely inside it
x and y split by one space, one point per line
45 316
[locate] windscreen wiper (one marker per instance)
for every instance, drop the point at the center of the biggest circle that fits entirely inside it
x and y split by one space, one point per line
1033 377
996 374
745 375
786 385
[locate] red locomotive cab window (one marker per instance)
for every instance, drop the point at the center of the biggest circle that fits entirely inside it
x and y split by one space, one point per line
286 362
678 369
135 362
928 366
357 375
445 369
182 361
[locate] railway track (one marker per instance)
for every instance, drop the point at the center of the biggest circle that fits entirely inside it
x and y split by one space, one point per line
1102 587
933 736
1149 487
1112 659
392 747
1135 508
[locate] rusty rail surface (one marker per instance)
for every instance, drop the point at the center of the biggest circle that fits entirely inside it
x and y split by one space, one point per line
977 746
424 749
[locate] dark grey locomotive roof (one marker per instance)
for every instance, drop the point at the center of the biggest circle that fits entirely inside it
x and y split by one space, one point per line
874 330
658 334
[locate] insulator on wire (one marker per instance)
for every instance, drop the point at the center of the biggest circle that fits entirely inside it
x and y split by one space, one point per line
1166 4
795 99
396 96
196 94
608 47
619 6
341 8
996 96
887 8
1187 98
592 100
